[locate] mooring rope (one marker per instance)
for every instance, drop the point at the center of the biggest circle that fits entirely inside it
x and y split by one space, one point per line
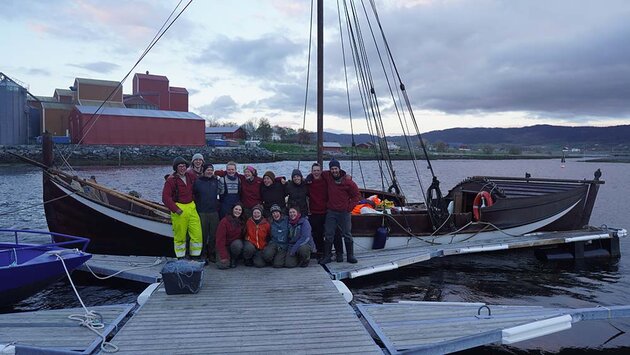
91 320
134 266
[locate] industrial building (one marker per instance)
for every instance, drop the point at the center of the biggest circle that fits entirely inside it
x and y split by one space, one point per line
17 124
154 114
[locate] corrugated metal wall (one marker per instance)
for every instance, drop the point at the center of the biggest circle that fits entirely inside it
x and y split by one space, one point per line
13 118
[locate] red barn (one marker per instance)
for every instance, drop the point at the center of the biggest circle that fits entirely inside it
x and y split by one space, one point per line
178 99
156 89
124 126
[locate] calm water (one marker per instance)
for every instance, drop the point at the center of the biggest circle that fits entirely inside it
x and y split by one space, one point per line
514 277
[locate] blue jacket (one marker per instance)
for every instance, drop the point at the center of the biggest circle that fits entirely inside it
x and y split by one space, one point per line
205 191
280 232
300 234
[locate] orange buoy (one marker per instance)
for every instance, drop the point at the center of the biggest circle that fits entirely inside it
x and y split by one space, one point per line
483 199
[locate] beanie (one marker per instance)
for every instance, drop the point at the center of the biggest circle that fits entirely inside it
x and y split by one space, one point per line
270 174
257 207
334 162
206 166
275 208
296 172
198 156
177 161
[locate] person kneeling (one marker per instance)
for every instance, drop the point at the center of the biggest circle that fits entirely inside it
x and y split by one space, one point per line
257 231
300 240
229 238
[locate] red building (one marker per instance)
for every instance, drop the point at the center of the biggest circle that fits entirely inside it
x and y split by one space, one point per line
230 132
124 126
156 89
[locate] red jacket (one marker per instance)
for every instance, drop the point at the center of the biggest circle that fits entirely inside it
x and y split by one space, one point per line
257 234
317 195
175 190
343 194
250 191
229 230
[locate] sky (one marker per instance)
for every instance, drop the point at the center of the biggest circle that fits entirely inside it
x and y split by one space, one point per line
481 63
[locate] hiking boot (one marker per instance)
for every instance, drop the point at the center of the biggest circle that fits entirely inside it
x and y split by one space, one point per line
305 263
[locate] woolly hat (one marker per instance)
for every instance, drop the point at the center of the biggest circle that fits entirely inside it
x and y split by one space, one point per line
250 168
258 207
275 208
206 166
198 156
334 162
296 172
270 174
177 161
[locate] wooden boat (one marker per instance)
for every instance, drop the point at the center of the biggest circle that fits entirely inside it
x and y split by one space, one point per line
26 269
477 208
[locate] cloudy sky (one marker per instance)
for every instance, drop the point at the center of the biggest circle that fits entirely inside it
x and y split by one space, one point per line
480 63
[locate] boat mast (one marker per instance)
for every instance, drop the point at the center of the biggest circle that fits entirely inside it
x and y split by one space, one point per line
320 82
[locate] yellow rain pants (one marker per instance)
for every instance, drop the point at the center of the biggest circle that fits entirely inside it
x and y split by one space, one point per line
187 222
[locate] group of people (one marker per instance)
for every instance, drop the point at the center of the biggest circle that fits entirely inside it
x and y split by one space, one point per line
223 217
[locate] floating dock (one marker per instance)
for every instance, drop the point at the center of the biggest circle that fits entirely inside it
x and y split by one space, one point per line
376 261
52 332
135 268
251 310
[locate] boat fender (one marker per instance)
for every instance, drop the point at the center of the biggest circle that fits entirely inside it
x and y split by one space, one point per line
380 238
483 199
344 290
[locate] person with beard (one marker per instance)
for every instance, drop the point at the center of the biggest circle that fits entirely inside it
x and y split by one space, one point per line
177 196
300 240
317 200
205 191
256 235
343 195
229 239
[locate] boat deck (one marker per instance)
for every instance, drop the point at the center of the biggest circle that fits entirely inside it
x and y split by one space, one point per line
375 261
50 331
249 310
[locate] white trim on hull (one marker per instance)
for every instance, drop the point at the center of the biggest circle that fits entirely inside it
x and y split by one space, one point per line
403 241
163 229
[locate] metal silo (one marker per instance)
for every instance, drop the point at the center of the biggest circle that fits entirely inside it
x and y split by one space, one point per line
13 119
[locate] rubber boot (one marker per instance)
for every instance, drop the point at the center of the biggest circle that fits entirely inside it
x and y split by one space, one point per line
327 253
350 251
338 249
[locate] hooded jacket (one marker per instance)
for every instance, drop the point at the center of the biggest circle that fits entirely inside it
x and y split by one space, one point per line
257 233
176 190
298 195
343 193
229 230
300 234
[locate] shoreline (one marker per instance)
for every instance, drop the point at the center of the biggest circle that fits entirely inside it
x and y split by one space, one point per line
90 155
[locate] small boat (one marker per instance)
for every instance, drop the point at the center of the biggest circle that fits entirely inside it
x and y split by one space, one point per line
26 269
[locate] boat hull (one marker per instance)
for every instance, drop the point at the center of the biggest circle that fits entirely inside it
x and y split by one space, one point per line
23 279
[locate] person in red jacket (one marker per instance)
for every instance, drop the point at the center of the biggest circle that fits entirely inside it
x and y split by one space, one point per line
317 200
229 238
257 231
343 195
177 195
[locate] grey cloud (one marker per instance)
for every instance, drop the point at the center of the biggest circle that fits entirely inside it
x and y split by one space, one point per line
264 57
220 107
98 67
37 71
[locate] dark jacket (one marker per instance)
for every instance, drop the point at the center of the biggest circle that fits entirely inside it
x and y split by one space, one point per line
206 190
280 232
300 234
298 195
272 195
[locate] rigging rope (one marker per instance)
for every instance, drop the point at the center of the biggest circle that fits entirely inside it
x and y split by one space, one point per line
96 115
308 73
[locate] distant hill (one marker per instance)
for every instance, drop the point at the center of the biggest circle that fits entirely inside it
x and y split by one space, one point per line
524 136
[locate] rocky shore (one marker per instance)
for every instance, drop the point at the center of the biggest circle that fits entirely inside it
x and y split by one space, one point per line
134 155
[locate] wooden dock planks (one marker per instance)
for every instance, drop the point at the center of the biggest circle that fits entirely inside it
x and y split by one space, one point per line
249 310
52 329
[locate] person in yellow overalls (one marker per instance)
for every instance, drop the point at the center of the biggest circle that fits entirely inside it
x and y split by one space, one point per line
177 195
